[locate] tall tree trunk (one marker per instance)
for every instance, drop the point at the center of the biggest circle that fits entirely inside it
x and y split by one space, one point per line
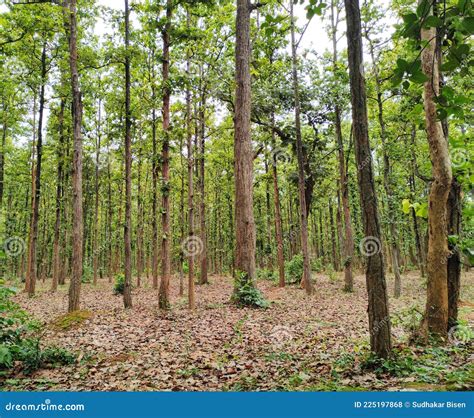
77 215
306 279
164 301
140 222
276 200
59 196
189 143
379 318
243 153
436 314
154 169
95 242
32 273
127 238
203 279
335 263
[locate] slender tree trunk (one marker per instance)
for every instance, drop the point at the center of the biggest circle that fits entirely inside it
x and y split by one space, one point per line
141 216
32 273
189 143
203 279
379 318
436 315
127 239
243 162
164 301
306 279
154 168
59 196
77 215
95 241
278 227
335 263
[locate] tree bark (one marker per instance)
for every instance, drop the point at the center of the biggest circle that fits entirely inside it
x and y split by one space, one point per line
203 279
77 215
243 152
436 314
164 301
379 318
95 243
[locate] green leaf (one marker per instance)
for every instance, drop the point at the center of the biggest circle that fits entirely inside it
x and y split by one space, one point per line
432 22
410 18
423 8
468 24
418 77
402 64
406 206
422 211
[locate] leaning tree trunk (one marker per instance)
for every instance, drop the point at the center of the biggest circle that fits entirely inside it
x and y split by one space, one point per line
436 314
243 162
164 302
77 214
306 279
379 318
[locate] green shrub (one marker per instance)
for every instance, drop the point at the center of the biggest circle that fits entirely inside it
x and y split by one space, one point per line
294 269
119 284
265 274
317 265
246 294
20 343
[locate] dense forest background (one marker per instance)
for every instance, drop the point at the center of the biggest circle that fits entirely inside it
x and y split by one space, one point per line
171 144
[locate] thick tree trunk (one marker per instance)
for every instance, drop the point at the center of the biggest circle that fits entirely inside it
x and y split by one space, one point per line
127 238
77 215
379 318
243 152
306 279
164 301
436 314
59 196
31 275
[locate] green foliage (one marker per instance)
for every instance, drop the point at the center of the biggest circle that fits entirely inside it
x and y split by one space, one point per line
317 264
294 269
20 343
119 284
71 320
246 293
266 274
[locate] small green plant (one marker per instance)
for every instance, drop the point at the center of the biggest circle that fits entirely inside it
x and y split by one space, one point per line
332 276
246 293
119 284
294 269
266 274
317 265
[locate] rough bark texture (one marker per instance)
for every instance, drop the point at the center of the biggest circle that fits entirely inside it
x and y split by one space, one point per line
127 232
454 261
306 280
77 215
243 153
164 302
379 318
436 314
202 186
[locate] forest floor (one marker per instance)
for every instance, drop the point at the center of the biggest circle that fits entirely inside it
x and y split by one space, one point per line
299 343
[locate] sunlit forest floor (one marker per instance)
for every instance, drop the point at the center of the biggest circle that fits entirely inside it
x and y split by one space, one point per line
299 343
